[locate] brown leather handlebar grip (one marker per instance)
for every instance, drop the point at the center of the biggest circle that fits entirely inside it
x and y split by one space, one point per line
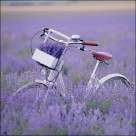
91 43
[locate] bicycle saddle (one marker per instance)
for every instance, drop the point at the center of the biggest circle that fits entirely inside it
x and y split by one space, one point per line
101 55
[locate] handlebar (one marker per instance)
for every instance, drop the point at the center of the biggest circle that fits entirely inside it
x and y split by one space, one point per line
78 41
90 43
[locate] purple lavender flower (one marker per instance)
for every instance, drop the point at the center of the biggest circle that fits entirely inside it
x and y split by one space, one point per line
52 48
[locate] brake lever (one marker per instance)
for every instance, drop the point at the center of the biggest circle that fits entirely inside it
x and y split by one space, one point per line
45 30
42 35
83 47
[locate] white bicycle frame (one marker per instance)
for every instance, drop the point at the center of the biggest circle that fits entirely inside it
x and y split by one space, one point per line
94 82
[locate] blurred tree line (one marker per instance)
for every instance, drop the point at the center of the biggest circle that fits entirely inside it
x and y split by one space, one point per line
32 3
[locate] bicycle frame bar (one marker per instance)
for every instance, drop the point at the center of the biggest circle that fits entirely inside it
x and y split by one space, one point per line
58 33
62 84
94 81
95 68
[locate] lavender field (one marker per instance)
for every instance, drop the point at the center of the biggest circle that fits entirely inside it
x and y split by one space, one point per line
115 32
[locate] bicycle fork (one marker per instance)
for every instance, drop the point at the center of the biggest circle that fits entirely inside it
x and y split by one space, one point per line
62 84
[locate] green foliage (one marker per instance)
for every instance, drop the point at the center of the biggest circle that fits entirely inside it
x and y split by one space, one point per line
105 107
65 69
6 71
91 104
90 131
52 130
125 65
101 132
133 123
25 51
1 106
78 77
6 44
108 105
5 85
17 132
63 133
21 124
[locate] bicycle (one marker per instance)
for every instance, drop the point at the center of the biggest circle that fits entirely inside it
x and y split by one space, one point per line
52 71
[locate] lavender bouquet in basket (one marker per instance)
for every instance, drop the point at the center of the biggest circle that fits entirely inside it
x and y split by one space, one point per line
54 49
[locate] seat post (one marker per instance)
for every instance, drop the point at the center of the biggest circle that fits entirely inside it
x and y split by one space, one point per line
94 81
95 68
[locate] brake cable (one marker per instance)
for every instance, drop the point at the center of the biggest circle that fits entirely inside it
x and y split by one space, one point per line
32 40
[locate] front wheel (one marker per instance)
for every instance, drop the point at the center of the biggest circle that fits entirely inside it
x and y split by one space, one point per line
34 96
30 96
30 100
